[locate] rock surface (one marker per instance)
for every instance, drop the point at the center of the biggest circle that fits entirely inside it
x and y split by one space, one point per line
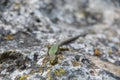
27 26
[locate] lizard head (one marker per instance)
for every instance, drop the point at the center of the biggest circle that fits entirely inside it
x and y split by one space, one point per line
52 54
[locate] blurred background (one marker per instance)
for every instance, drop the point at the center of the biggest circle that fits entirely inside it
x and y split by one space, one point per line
26 26
18 15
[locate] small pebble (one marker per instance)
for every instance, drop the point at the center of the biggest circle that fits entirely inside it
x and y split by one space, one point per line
77 57
117 63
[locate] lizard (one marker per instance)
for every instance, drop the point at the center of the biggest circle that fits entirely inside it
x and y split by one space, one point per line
54 49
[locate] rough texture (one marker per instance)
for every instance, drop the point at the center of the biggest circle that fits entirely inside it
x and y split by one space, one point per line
27 26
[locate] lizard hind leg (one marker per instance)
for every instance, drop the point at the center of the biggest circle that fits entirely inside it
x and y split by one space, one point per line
63 49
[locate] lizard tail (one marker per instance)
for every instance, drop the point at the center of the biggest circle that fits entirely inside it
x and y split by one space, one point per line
72 39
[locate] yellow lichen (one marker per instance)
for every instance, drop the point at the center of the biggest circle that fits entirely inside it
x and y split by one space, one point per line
49 77
56 72
62 70
17 6
59 72
96 52
23 77
48 71
75 63
110 51
9 37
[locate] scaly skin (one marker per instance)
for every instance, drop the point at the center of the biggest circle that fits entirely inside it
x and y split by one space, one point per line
55 48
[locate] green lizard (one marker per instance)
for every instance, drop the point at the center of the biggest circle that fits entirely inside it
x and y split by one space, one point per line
54 49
